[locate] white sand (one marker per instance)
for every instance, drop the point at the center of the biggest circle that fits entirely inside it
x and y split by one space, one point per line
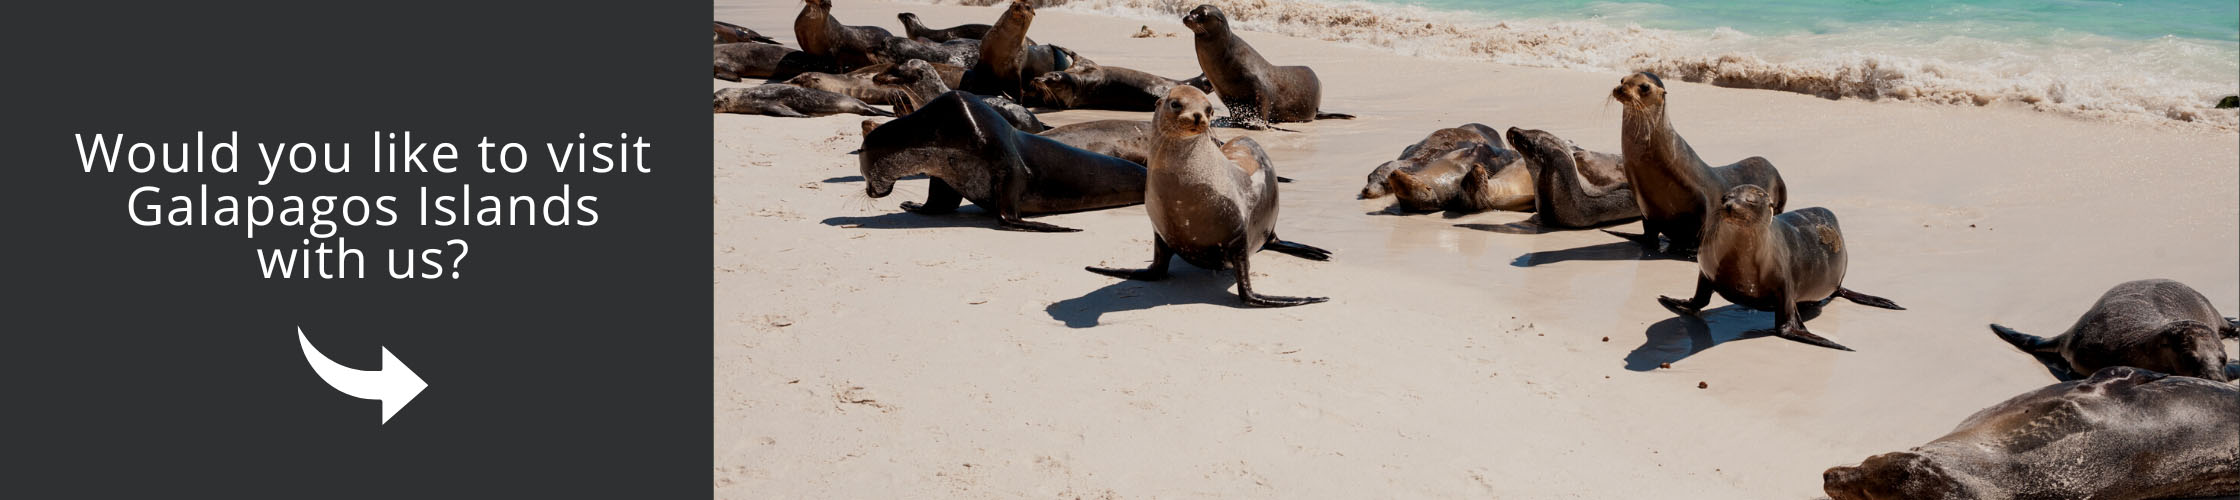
862 352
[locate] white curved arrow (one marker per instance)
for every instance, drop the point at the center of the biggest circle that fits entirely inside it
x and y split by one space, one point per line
394 384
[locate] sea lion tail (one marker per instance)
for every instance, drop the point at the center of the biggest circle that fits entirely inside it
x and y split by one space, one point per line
2026 342
1325 115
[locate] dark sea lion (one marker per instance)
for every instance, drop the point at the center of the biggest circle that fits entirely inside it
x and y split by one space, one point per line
738 61
916 81
1575 188
1768 262
1419 155
971 154
820 34
861 83
732 33
1475 178
1677 192
2158 325
1092 86
1256 92
919 30
778 99
2123 434
1212 205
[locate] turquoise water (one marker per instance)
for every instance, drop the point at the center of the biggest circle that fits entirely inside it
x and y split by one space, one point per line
2215 20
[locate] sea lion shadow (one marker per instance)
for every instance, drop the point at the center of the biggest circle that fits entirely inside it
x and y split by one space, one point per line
1617 250
1184 285
1518 227
968 216
1674 339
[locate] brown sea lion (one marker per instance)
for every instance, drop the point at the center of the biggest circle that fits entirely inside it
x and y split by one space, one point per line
1419 155
1473 179
971 154
1574 187
821 34
1214 206
1008 60
1124 139
913 82
919 30
860 83
1677 192
1769 262
2158 325
1092 86
2123 434
778 99
732 33
739 61
1256 92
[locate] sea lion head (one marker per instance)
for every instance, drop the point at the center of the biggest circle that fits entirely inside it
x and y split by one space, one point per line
1206 19
1184 112
907 18
1746 203
1064 86
1539 147
1021 10
2194 350
1640 91
908 73
1892 476
819 4
811 80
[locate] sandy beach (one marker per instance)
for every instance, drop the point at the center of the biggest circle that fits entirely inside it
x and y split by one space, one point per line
864 352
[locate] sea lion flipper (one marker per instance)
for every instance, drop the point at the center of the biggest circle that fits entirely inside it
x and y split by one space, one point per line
1867 300
1325 115
1296 249
1694 305
1242 264
1161 254
1798 333
940 199
2232 371
2231 328
2026 342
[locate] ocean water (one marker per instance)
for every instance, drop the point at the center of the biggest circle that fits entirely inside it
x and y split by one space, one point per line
2159 63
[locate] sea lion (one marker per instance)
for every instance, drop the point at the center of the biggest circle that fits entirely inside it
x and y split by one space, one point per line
1256 92
919 30
1214 206
1768 262
1575 188
971 154
738 61
732 33
778 99
1092 86
1676 191
914 82
860 83
1008 59
1124 139
2125 433
821 34
1476 178
2158 325
962 53
1419 155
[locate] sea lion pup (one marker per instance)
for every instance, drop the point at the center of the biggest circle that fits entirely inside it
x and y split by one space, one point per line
1256 92
1768 262
1008 59
1214 206
1419 155
1677 192
860 83
971 154
1473 179
1575 188
779 99
1091 86
2123 434
918 30
2158 325
739 61
915 81
732 33
820 34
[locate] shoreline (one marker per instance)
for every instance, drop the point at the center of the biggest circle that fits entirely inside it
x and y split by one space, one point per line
2158 102
861 351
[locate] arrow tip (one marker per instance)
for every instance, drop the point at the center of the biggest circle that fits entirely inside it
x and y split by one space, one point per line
407 385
